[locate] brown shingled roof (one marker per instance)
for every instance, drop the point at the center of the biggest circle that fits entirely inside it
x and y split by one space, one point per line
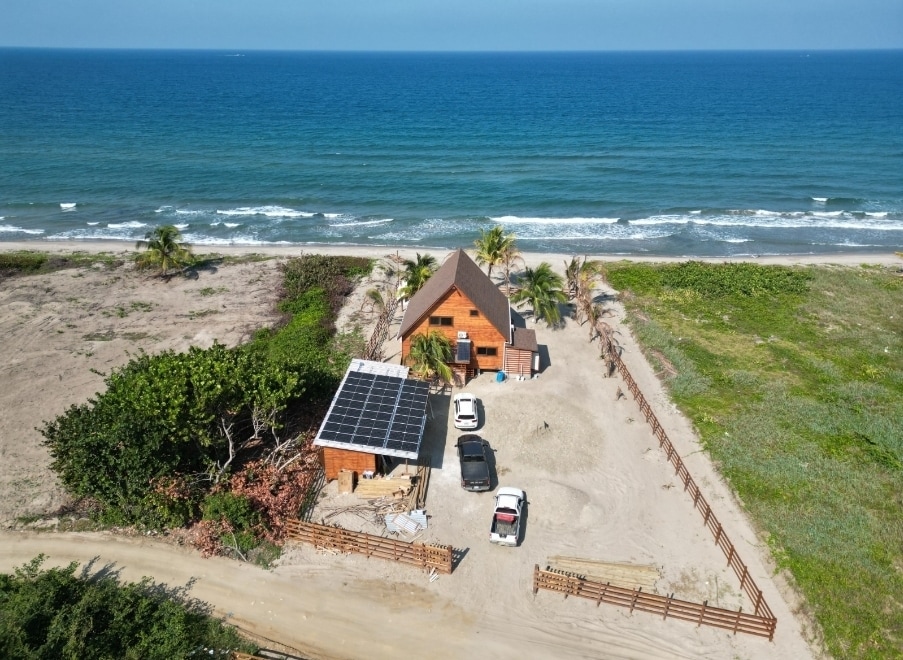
461 272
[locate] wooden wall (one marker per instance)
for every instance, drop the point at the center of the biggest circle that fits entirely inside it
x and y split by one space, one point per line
479 330
335 460
518 362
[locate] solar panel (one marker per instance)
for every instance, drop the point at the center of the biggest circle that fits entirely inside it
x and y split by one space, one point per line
377 410
462 354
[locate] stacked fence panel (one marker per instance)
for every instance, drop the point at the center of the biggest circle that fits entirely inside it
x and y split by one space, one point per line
422 555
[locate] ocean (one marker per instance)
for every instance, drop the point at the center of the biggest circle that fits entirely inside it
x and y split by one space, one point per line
671 154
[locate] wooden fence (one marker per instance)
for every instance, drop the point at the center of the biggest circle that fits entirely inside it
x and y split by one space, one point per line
701 614
438 557
747 584
374 348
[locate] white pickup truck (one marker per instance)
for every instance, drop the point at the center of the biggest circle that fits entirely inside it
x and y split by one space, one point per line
509 508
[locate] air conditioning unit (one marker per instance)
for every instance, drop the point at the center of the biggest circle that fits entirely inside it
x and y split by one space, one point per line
462 334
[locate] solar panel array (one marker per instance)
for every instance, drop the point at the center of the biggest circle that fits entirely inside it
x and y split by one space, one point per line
377 413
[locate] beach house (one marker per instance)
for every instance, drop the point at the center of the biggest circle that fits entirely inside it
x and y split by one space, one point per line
462 303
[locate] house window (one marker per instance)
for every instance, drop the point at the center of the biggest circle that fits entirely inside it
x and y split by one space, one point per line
487 350
442 320
474 312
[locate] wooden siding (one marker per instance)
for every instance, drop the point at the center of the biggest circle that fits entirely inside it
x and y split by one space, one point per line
335 460
480 331
518 361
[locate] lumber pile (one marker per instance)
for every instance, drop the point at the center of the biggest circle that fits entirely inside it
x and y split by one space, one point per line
621 574
370 489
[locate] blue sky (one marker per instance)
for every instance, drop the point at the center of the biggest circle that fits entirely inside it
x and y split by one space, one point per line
454 24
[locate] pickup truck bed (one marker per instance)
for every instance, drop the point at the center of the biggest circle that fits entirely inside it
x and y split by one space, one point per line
505 524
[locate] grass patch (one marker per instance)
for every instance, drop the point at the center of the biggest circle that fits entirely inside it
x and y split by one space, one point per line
106 335
201 313
29 262
794 380
211 291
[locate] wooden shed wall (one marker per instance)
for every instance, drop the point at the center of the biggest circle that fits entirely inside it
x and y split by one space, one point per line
335 460
518 361
479 330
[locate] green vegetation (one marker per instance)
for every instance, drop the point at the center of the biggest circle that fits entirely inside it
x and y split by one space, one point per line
54 613
541 288
27 262
429 356
214 433
164 250
794 379
495 247
417 272
210 291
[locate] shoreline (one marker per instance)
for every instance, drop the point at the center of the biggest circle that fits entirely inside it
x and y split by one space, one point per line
530 258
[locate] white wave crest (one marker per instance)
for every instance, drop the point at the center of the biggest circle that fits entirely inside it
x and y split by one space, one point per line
92 224
360 223
820 200
266 211
231 225
68 206
181 226
10 229
131 224
517 220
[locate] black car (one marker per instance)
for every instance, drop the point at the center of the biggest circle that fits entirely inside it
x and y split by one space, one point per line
474 466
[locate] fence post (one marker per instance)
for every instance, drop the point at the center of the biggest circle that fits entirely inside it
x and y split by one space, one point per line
737 624
636 595
702 613
535 579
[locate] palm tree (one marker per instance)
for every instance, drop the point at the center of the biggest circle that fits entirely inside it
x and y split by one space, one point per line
164 250
582 277
510 258
542 289
492 245
430 355
417 272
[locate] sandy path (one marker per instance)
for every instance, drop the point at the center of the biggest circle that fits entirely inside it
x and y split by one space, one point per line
327 612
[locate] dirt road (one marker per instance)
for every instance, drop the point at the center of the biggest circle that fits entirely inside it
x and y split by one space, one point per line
302 607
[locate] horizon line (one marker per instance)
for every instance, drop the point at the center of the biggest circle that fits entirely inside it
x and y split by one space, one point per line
455 52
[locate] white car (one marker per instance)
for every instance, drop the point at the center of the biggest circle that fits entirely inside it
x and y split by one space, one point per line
466 415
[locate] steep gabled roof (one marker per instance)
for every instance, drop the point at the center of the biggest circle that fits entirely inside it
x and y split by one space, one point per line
460 272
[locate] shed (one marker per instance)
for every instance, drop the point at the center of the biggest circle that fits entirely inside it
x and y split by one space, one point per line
377 411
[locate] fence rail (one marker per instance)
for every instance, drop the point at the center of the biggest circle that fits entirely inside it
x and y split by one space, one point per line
374 348
747 584
701 614
422 555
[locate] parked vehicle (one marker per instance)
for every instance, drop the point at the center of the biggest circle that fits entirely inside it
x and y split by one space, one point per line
474 466
466 415
509 507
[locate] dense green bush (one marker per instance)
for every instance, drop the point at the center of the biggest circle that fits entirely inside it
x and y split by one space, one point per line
169 427
54 613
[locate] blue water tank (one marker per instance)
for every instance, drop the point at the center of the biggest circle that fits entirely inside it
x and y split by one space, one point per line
499 377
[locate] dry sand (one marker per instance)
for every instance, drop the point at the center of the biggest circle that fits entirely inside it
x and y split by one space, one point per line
597 484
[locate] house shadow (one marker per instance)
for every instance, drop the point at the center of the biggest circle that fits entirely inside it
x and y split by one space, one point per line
545 360
433 447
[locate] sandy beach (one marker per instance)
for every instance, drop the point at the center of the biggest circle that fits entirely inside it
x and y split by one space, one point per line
598 485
